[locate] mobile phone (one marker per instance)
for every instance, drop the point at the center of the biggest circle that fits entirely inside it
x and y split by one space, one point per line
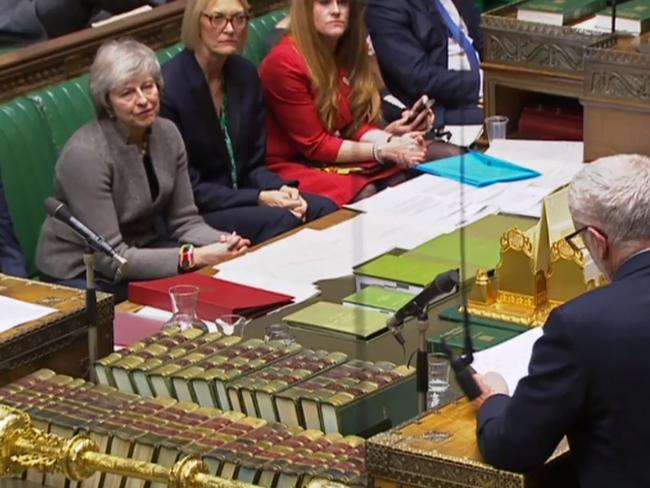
420 108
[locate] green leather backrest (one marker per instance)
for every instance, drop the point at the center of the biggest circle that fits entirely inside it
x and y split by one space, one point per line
65 107
27 159
258 29
167 53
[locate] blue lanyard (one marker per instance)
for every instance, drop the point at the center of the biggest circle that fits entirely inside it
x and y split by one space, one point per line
459 36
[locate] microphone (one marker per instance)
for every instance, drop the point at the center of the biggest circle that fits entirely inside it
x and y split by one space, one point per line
461 365
443 284
60 212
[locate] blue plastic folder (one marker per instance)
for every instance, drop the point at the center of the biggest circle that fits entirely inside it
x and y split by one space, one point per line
479 169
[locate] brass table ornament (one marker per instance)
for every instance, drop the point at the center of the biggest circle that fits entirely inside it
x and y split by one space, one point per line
538 270
23 446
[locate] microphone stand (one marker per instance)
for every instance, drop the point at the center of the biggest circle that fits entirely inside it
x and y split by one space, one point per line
422 360
91 309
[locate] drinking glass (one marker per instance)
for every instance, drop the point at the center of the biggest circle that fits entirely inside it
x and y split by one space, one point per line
184 300
496 127
438 376
231 325
279 332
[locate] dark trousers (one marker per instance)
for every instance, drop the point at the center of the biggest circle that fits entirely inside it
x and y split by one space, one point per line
259 223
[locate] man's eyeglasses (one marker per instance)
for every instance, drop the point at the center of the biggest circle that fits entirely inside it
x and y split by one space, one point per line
219 21
575 239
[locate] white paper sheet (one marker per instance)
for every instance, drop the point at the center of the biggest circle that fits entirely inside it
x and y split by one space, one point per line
15 312
510 358
154 313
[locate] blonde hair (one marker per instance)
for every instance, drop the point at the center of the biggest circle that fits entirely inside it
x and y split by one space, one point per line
351 53
191 27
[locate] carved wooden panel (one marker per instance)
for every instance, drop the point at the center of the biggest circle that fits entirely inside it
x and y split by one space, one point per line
529 44
616 74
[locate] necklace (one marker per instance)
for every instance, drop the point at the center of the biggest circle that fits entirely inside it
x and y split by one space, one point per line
144 147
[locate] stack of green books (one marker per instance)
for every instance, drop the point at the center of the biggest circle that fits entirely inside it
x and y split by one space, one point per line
253 394
357 397
633 17
558 12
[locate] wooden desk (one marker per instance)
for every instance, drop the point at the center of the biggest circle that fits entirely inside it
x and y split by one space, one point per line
58 341
440 449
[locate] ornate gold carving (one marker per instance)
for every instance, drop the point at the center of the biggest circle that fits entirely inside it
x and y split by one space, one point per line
516 240
22 446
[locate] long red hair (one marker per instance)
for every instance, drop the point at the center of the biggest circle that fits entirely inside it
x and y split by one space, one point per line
351 53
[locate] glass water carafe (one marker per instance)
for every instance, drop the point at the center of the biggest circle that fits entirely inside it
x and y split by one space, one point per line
184 300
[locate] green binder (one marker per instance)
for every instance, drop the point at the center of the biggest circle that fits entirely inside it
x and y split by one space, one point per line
453 314
410 274
335 317
483 337
379 299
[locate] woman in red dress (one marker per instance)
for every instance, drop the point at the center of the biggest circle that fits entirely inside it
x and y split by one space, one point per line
324 107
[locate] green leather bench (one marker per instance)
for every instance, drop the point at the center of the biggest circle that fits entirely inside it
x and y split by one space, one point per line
34 128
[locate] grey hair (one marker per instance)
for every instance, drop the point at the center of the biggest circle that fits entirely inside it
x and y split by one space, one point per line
613 194
117 62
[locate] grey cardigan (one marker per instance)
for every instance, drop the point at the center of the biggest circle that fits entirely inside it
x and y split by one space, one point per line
103 181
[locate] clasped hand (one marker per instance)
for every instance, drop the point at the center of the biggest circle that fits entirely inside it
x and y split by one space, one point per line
405 151
286 197
229 246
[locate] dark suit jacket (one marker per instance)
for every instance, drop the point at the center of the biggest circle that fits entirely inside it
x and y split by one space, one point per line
410 41
188 103
12 261
588 379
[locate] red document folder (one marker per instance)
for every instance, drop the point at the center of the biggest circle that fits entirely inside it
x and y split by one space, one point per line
217 297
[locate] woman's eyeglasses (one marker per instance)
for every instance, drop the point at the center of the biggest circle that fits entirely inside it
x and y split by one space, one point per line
219 21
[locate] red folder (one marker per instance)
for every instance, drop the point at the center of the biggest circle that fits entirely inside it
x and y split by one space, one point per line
551 122
217 297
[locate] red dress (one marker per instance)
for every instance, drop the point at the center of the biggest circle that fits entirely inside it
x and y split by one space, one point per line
296 134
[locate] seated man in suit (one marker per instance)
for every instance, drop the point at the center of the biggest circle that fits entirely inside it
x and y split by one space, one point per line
430 47
588 373
12 261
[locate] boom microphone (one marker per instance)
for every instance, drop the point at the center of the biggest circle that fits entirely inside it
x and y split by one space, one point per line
59 211
443 284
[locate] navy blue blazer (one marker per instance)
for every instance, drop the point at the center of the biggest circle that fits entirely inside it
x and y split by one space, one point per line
589 379
410 41
12 261
188 103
